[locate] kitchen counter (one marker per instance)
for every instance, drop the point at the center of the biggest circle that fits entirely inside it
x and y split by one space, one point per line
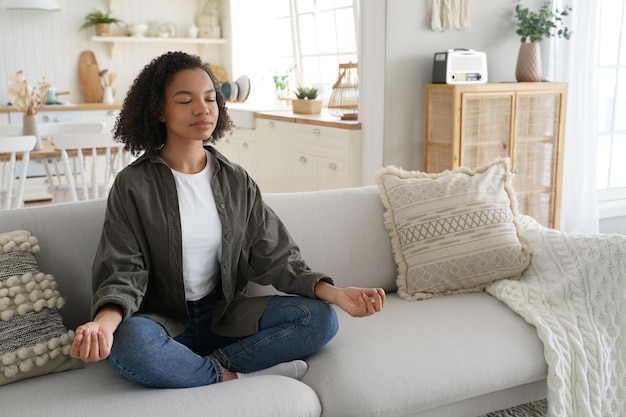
68 107
323 119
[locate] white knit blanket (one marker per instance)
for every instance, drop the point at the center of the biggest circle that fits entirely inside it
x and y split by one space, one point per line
574 293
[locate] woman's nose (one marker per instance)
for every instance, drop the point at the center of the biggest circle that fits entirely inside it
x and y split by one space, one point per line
202 108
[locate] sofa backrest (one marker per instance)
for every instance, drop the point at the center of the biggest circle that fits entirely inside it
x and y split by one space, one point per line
340 232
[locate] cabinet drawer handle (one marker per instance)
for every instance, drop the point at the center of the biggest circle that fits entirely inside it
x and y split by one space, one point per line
332 166
245 144
303 159
317 132
271 124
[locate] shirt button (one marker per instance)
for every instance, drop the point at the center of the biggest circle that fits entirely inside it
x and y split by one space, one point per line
222 205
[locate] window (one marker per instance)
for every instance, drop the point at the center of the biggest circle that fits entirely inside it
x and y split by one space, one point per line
313 35
611 149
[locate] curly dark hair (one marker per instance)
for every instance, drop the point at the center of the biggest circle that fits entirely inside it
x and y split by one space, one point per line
138 124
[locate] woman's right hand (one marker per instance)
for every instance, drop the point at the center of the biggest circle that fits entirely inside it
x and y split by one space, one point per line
93 340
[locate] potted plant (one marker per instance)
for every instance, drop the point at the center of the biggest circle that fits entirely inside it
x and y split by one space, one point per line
101 20
532 28
306 102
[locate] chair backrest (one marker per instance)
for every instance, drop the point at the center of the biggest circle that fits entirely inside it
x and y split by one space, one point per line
17 148
90 146
10 130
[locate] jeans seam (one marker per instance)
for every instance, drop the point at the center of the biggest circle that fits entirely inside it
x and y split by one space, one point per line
301 323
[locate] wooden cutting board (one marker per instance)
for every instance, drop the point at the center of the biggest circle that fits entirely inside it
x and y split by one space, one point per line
89 77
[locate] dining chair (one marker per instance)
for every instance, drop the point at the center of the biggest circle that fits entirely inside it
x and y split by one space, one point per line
18 148
46 130
86 174
10 130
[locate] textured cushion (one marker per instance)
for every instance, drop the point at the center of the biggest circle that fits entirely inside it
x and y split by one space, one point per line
33 339
454 231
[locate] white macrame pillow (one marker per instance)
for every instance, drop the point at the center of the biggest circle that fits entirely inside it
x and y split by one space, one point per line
454 231
33 339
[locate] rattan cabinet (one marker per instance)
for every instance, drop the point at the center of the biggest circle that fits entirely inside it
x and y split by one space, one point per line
469 125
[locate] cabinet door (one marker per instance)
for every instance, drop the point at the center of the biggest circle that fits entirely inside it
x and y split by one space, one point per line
333 174
332 158
486 133
536 162
273 150
304 174
240 147
108 117
311 173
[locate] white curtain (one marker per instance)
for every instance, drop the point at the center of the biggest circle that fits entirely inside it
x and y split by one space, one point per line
575 61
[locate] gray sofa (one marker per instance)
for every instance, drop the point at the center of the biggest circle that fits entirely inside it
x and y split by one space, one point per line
457 355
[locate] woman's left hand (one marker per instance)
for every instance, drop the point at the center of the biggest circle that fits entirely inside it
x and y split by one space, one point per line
358 302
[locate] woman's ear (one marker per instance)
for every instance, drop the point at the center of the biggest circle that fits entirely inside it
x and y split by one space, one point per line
161 118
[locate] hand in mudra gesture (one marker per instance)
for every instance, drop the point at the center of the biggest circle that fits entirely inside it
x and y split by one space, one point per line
360 302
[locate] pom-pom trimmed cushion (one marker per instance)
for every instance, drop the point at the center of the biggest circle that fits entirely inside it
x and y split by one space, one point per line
33 339
454 231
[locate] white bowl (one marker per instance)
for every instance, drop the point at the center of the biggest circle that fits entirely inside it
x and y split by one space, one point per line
137 30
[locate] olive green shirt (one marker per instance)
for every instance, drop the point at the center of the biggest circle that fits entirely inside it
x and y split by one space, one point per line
138 264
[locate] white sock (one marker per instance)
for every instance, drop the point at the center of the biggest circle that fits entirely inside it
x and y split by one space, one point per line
294 369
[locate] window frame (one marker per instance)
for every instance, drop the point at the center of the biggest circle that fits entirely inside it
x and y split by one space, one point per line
612 194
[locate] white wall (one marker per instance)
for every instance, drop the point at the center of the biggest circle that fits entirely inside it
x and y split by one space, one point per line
410 46
49 43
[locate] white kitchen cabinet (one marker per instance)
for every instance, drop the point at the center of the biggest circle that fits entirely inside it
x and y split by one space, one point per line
301 155
273 138
287 153
46 117
241 147
108 117
324 158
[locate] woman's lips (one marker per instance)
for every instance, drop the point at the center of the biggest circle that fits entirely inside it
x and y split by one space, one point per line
203 124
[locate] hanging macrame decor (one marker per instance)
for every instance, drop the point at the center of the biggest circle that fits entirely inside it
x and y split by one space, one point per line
450 14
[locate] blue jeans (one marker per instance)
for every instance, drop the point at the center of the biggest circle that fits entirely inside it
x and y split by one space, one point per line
290 328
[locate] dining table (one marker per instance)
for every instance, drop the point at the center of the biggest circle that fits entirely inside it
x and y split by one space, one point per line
48 151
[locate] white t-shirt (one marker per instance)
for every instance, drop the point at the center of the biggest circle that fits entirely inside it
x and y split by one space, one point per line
201 232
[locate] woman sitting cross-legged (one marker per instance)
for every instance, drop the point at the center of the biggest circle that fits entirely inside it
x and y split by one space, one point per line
185 230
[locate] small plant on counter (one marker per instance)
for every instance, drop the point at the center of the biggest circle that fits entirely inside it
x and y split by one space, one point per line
307 93
24 97
307 102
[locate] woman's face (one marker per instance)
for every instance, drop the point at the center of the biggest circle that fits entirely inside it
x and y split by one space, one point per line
190 111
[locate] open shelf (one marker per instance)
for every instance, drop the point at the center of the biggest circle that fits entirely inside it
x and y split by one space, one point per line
115 40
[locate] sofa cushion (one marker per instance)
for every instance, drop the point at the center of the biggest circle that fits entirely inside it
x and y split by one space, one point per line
415 358
98 391
454 231
33 339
